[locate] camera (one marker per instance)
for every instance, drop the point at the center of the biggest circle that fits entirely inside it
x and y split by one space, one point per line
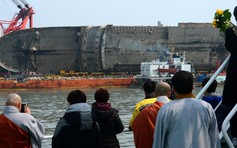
23 107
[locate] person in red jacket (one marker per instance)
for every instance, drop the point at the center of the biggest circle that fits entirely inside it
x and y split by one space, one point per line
150 98
144 123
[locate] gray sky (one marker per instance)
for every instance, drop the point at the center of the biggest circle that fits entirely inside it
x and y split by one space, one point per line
49 13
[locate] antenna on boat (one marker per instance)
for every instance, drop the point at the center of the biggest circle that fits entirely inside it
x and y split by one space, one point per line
184 58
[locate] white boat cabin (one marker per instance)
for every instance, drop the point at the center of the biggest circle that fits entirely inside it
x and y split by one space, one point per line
157 68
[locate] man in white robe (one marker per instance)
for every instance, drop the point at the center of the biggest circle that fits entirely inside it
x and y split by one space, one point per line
186 122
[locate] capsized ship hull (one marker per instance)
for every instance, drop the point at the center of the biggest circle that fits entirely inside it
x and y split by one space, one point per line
108 48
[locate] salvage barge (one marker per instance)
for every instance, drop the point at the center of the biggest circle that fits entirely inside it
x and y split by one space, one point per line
66 83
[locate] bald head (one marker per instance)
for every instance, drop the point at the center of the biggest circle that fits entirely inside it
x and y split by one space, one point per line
162 89
13 100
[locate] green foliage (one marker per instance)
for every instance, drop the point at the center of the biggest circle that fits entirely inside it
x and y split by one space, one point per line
222 20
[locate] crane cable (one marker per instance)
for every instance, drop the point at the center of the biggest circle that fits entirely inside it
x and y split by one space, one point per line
6 9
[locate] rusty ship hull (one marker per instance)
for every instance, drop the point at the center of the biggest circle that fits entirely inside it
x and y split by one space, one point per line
108 48
63 83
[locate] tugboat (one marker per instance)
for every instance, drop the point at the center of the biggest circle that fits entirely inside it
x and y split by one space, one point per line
158 70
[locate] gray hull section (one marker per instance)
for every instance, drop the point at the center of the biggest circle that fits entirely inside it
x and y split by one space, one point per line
109 48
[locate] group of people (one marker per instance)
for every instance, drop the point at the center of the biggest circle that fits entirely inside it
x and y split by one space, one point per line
182 122
157 121
88 126
186 121
82 125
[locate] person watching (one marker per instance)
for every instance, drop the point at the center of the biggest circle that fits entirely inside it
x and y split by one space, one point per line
108 119
186 122
150 98
19 130
209 95
229 99
77 127
144 123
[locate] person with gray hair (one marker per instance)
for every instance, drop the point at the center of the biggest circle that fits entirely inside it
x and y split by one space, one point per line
19 129
144 123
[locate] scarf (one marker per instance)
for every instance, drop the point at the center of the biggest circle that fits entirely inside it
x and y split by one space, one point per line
101 106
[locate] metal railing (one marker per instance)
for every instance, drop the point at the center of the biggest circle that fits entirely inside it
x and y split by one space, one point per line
48 136
213 77
218 105
225 124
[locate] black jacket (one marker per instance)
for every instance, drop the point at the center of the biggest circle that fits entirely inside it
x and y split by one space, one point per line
76 130
110 124
229 96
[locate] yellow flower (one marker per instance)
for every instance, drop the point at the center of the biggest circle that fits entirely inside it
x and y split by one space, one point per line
214 23
222 20
219 12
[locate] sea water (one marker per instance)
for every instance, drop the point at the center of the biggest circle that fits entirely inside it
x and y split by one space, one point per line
49 105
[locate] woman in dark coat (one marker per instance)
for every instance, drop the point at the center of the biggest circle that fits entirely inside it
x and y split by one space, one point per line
229 97
108 119
77 127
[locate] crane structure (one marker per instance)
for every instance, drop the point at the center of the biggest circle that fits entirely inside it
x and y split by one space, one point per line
19 20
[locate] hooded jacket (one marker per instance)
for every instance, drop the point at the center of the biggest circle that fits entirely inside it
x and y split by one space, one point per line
76 128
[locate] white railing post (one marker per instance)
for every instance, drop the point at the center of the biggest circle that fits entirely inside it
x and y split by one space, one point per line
219 104
48 136
225 124
224 127
213 77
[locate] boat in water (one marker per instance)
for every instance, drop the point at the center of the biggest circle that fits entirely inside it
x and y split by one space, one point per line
162 69
201 76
